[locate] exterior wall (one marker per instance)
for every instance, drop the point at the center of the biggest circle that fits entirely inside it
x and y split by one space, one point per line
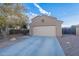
58 30
47 21
77 30
30 30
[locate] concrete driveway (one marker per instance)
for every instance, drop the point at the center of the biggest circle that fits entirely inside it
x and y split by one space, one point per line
34 46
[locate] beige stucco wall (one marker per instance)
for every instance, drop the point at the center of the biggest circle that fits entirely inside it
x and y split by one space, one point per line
48 21
77 30
59 30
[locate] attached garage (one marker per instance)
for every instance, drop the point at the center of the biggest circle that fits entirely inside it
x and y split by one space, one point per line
45 30
45 26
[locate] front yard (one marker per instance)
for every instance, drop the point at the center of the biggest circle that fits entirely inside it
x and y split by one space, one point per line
70 45
11 39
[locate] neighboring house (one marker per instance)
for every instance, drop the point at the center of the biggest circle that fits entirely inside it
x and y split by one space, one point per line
45 26
69 30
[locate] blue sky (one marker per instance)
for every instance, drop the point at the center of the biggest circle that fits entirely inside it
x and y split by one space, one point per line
67 12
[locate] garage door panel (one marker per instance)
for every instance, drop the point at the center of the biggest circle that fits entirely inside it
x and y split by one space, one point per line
44 31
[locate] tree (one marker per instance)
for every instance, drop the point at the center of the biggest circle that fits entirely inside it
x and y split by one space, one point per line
2 25
13 14
18 18
2 22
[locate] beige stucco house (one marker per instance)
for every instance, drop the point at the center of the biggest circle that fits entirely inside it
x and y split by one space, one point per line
45 26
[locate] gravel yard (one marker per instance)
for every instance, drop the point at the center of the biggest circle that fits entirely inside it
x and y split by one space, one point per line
70 45
11 40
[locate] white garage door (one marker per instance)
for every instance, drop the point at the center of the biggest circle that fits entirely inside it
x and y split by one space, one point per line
44 31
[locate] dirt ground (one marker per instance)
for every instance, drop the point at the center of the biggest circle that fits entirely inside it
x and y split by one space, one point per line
70 45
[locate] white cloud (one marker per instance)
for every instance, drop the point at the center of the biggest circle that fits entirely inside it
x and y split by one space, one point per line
42 10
